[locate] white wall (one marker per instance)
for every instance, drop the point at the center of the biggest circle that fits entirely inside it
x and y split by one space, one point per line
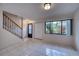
1 21
39 27
24 28
39 32
6 38
76 29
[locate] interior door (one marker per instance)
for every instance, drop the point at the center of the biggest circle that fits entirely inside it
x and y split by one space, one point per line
30 30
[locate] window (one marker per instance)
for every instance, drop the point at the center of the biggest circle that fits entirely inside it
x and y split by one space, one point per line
62 27
66 27
48 28
56 27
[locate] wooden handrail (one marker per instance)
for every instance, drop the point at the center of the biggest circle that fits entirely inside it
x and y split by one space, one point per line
13 21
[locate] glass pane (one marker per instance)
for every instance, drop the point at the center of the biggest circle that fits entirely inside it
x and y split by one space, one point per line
56 27
30 29
48 27
66 27
30 26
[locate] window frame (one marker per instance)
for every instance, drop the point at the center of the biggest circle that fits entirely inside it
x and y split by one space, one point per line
45 27
61 27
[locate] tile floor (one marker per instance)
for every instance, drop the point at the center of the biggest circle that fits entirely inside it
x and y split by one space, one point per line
35 47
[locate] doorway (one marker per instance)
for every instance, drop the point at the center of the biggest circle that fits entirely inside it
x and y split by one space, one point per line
30 30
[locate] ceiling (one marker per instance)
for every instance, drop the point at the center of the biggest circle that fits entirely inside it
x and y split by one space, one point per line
35 11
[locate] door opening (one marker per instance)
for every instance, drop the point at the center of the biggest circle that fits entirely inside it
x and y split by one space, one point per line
30 30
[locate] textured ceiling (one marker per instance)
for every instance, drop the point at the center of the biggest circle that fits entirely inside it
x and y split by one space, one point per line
35 11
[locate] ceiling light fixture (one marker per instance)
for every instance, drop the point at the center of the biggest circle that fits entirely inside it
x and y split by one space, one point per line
47 6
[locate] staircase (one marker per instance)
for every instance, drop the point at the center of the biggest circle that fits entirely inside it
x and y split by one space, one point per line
11 26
